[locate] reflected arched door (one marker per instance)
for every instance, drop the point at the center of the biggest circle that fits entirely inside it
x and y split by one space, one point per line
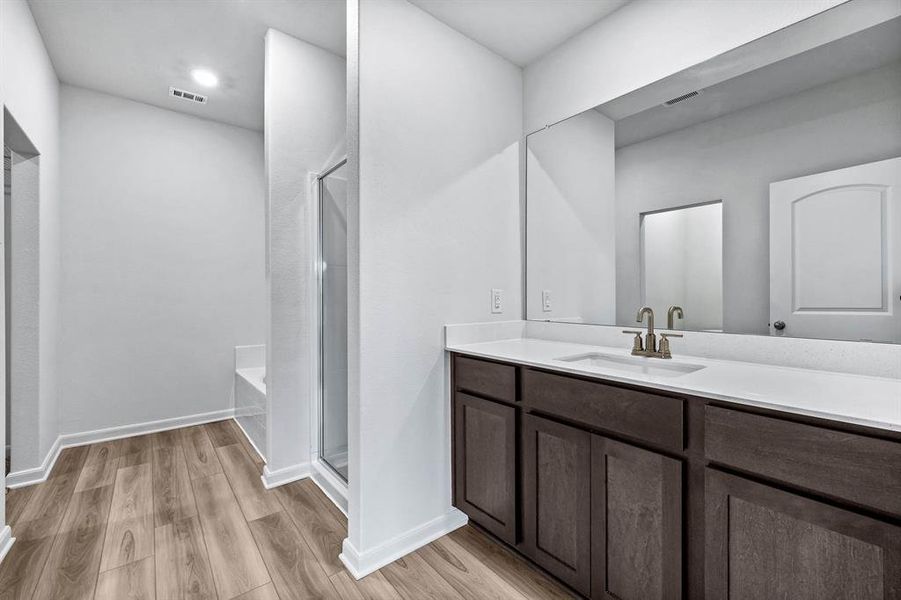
835 254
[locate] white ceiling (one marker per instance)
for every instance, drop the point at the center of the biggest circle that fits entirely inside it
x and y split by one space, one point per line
137 49
519 30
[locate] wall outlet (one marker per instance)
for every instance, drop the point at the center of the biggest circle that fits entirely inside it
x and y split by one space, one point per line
497 300
546 300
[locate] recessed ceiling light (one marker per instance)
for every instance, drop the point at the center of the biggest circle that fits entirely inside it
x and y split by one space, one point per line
205 77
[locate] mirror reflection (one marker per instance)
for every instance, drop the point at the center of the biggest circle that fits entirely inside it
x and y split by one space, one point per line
682 265
753 192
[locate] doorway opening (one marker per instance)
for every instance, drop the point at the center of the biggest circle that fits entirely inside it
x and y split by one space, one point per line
20 214
7 199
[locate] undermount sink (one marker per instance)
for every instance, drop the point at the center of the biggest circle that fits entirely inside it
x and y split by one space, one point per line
633 364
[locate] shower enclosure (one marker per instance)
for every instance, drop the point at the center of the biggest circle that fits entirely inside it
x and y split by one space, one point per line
333 318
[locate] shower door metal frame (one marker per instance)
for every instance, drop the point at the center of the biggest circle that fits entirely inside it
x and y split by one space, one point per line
320 396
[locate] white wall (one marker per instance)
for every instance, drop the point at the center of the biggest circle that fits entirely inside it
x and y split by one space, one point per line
29 90
305 131
647 40
571 236
734 158
437 220
163 273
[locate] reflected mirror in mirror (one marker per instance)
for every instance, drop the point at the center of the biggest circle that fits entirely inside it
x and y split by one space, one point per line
758 190
682 265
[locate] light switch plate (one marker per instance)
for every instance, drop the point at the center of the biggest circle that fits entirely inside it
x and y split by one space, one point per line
497 300
546 300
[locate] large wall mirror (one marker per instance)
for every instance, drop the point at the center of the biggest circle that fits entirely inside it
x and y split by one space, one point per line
759 191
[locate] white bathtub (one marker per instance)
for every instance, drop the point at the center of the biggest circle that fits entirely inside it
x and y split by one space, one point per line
250 393
255 376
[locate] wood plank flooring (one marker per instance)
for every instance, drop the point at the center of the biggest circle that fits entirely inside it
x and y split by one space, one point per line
183 515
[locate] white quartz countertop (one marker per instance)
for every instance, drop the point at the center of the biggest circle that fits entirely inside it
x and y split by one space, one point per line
861 400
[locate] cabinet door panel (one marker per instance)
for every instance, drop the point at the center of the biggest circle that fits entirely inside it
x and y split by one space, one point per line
485 463
765 543
636 517
556 499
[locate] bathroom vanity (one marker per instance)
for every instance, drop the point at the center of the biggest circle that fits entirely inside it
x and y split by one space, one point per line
758 456
643 491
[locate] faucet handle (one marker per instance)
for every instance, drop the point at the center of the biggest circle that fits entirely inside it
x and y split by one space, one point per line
664 344
637 344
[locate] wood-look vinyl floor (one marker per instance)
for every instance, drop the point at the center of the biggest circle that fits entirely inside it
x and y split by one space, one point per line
183 515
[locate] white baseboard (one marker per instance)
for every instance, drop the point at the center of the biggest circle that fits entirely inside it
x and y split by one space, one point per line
6 541
16 479
39 474
273 479
362 564
114 433
331 485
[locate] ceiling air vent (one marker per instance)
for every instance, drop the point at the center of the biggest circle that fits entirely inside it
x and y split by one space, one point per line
186 95
682 98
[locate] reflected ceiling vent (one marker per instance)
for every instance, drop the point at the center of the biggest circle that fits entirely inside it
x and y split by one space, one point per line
682 98
186 95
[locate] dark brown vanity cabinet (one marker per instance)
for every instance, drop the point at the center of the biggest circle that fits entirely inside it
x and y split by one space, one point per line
763 542
556 482
767 542
626 493
603 516
636 523
485 463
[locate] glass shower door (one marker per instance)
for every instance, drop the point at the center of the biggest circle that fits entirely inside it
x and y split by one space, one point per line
333 318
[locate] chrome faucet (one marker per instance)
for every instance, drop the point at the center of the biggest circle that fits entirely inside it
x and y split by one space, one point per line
648 346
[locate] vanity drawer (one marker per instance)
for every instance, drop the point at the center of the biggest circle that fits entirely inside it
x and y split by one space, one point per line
489 379
648 417
856 468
